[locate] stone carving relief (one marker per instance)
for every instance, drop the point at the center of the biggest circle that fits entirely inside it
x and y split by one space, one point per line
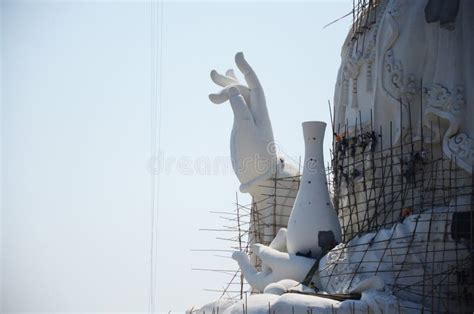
351 71
357 56
461 147
443 112
397 84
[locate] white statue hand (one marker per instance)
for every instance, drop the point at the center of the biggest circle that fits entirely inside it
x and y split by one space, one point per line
252 144
279 266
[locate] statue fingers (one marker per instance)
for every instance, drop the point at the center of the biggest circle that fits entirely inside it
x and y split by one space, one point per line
269 256
279 242
231 73
257 101
223 95
258 280
223 80
249 74
239 107
259 108
240 257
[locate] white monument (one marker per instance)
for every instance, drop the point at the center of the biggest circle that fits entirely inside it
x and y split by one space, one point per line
402 171
313 223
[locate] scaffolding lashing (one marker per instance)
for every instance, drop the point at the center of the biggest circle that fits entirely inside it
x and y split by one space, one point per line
415 204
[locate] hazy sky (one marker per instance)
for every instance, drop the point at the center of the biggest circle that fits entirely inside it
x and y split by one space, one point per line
76 106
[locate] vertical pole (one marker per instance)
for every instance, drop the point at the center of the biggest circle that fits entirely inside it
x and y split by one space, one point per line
275 201
240 243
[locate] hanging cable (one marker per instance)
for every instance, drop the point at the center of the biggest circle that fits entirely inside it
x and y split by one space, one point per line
156 33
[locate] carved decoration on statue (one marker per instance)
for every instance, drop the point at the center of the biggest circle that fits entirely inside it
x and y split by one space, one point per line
444 106
461 147
369 56
396 84
355 61
351 71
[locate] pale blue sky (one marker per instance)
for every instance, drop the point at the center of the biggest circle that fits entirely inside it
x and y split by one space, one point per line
76 140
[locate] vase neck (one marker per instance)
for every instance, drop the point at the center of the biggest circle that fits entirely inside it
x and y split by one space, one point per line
313 132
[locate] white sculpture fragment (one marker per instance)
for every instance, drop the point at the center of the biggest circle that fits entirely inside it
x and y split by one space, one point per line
253 151
313 226
252 144
408 66
354 268
279 266
406 61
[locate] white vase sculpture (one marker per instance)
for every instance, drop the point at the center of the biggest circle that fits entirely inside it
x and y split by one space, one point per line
313 226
